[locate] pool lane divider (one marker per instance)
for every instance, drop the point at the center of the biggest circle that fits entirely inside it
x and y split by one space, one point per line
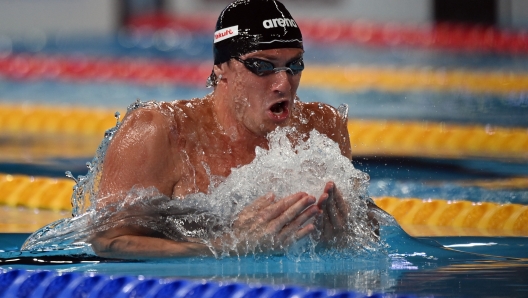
36 192
367 137
337 77
348 78
440 36
54 194
436 140
39 284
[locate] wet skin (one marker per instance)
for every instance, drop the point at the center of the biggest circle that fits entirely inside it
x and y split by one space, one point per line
172 147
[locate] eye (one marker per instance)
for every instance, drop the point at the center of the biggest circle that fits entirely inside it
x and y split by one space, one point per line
297 65
263 66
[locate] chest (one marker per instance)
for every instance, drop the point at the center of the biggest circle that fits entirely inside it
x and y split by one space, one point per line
205 160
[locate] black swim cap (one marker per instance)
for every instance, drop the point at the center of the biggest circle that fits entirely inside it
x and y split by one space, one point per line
246 26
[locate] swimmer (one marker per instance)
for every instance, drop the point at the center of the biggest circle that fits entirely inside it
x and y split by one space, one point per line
177 146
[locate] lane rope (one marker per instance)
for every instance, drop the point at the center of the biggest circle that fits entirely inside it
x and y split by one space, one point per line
368 137
447 36
54 194
437 140
34 283
343 78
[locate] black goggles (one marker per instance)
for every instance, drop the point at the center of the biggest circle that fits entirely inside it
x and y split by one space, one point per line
263 68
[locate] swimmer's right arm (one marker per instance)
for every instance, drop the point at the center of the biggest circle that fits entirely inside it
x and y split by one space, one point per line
273 225
136 243
140 155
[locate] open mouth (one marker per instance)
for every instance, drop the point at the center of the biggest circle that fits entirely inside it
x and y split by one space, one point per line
279 108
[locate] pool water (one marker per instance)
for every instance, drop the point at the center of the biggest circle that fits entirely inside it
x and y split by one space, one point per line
470 266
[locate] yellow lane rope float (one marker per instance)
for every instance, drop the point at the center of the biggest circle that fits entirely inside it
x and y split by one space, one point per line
426 139
368 137
57 120
417 216
36 192
442 217
398 79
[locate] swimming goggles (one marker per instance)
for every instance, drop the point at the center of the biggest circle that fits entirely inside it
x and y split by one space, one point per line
263 68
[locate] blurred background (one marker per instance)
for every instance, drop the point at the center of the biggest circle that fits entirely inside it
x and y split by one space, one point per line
437 90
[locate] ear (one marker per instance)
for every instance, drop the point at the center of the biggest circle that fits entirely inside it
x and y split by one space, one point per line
220 71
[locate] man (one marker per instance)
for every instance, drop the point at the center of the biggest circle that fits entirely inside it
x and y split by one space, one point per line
176 147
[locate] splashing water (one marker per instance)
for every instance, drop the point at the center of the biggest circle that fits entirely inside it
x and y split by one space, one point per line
284 169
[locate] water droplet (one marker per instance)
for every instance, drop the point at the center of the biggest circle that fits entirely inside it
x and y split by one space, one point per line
342 110
69 175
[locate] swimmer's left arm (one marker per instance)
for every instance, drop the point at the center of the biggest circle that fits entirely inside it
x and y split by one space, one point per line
333 220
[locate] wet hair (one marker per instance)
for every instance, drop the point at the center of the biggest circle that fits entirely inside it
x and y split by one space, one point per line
246 26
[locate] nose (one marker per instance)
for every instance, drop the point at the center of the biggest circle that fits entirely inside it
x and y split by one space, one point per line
281 81
285 69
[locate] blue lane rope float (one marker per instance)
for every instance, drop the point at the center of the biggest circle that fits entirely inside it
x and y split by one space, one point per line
50 284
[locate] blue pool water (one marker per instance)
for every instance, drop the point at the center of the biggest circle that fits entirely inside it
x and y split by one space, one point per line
468 267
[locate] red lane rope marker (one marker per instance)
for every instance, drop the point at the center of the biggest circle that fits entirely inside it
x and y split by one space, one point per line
30 67
150 72
441 36
448 36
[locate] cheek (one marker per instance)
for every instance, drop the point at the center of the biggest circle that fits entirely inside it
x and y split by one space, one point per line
295 83
240 94
247 91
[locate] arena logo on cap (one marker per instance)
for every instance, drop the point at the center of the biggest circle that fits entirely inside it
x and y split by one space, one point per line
225 33
280 22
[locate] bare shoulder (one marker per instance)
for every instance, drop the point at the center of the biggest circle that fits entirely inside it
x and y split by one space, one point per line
152 114
140 151
319 111
193 110
327 120
143 127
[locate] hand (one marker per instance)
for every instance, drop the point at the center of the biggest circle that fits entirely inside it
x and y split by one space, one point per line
268 225
333 221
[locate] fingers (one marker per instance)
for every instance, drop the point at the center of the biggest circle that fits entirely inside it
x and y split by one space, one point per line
333 214
303 232
290 215
263 201
250 212
298 224
335 210
328 205
341 205
279 208
326 196
322 200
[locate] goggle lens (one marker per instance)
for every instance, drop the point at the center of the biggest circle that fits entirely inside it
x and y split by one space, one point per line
263 68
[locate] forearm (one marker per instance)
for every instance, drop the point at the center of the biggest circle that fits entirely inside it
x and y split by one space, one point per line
146 247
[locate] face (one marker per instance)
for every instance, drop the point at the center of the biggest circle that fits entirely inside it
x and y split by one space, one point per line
261 103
